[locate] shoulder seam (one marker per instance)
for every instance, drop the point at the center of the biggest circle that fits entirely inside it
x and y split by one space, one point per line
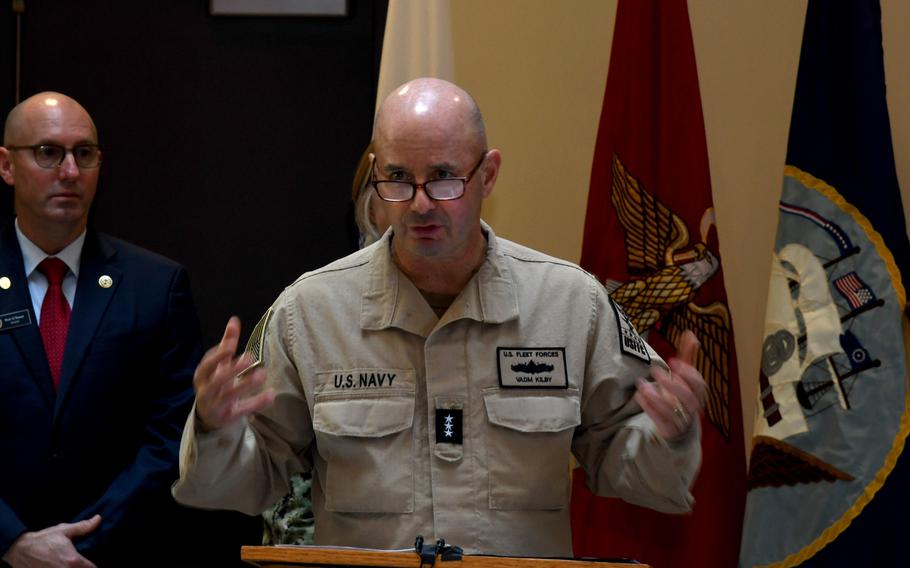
554 261
327 270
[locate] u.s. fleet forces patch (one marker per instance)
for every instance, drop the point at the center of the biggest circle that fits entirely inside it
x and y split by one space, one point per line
630 343
532 367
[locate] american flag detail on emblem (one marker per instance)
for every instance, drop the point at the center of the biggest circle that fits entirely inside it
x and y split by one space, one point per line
256 343
854 290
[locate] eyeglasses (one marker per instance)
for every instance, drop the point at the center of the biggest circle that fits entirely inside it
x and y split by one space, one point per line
445 189
51 155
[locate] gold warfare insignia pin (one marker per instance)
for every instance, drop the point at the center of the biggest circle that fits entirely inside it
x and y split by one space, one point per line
105 281
5 283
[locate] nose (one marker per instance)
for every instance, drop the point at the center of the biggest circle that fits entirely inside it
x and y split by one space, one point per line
422 203
68 168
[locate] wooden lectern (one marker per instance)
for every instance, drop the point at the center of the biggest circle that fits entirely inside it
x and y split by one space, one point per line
327 557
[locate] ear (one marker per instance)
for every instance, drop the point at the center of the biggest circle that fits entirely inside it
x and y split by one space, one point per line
6 166
490 171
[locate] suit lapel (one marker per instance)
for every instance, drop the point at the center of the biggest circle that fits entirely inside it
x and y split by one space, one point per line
15 299
92 300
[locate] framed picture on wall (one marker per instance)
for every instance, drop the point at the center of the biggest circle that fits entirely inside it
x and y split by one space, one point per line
278 7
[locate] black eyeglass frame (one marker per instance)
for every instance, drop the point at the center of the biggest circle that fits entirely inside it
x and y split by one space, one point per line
414 186
72 150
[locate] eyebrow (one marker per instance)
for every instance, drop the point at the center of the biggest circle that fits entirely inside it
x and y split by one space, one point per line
51 142
444 166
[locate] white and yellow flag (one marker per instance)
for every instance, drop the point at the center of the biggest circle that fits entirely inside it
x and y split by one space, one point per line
417 43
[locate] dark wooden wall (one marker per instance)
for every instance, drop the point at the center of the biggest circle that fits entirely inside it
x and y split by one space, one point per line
230 142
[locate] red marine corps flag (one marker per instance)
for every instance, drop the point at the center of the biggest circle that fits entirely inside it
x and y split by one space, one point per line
650 237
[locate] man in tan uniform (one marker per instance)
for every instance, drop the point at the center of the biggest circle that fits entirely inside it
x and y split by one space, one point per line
437 381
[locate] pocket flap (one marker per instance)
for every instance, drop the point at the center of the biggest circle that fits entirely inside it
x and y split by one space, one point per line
533 413
364 417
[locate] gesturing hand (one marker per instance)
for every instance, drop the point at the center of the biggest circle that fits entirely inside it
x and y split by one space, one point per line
221 397
677 398
52 547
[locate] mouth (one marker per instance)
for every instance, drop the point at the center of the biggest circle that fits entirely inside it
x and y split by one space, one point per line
425 231
65 195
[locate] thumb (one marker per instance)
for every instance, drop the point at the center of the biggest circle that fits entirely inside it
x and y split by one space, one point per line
688 347
82 528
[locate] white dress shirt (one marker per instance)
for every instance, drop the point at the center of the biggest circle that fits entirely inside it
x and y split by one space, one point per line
32 255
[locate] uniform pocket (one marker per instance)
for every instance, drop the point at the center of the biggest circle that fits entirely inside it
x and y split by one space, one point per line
367 443
529 441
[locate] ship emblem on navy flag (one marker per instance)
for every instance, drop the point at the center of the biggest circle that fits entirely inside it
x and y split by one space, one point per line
830 346
811 357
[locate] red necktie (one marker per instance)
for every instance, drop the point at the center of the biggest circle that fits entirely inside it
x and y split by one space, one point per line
55 315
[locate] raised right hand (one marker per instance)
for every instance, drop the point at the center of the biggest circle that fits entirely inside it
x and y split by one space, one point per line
52 547
221 398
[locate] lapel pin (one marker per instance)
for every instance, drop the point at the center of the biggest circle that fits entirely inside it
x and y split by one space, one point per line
105 281
5 283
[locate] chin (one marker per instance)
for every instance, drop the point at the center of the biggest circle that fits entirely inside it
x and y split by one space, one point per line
66 216
426 248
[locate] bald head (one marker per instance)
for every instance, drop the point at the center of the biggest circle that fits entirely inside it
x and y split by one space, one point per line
433 105
40 107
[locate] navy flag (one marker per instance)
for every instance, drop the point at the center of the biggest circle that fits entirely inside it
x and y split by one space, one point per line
828 475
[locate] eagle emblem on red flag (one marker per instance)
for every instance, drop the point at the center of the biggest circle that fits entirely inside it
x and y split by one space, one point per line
666 272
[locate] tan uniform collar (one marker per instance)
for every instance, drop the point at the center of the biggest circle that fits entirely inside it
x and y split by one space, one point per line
390 299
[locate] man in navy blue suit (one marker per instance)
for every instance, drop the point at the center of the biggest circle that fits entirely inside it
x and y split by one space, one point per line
95 385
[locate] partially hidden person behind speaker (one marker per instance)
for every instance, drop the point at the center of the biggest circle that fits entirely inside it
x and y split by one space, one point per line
290 519
369 213
98 342
436 382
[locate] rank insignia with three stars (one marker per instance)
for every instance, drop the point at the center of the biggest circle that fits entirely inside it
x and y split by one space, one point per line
448 426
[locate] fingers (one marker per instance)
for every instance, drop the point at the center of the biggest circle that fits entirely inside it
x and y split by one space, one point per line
676 390
82 528
669 401
688 347
683 367
222 398
239 401
655 405
690 378
240 397
255 403
52 546
217 355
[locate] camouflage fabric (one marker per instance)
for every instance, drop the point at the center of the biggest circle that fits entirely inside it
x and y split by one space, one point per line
290 520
